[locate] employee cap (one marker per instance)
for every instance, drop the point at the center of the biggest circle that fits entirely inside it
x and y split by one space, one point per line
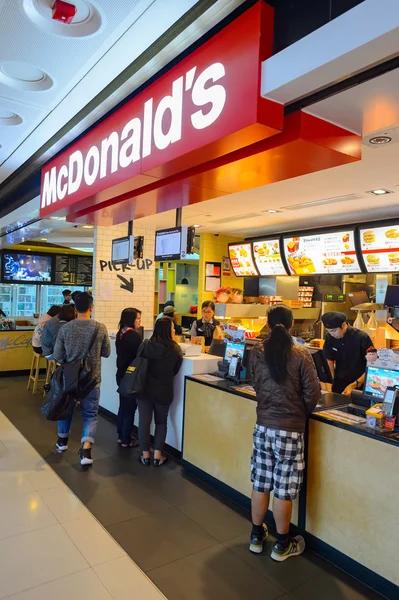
332 320
169 310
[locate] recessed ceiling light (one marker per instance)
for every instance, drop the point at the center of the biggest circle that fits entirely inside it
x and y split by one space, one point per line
29 249
87 226
196 226
380 140
9 118
24 76
379 192
271 211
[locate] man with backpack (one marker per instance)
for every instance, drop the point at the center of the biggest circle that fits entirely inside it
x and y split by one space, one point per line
80 339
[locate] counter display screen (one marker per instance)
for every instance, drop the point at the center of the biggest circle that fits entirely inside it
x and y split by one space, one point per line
234 350
380 248
21 268
241 260
322 253
268 258
378 380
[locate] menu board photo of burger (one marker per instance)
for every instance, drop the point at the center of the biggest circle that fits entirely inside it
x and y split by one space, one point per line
322 253
268 258
380 248
241 260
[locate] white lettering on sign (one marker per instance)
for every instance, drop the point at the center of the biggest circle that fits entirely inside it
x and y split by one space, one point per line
159 127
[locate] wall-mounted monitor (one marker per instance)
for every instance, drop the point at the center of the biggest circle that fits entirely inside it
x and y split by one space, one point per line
122 250
20 267
171 244
322 253
268 258
380 248
241 260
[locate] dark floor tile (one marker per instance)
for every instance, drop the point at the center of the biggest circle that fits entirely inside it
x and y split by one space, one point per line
328 587
126 499
214 513
157 539
85 481
213 574
287 575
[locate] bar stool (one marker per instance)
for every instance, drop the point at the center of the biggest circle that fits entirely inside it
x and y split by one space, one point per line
34 374
51 367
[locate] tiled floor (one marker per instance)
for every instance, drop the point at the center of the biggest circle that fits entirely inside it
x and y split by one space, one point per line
51 546
190 541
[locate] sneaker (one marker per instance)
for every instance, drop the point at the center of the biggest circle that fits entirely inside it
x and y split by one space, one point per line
62 444
295 548
85 456
257 541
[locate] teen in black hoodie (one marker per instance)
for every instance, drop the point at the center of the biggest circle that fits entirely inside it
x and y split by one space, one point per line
128 341
165 359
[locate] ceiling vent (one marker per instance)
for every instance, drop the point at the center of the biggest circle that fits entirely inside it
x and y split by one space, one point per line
347 198
237 218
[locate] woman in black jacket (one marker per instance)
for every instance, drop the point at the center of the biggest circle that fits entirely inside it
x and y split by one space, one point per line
128 341
165 358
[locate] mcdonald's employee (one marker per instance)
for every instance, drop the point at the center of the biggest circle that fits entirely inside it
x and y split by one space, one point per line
345 349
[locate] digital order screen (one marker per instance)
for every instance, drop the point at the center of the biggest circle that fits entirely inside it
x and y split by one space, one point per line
380 249
322 253
241 260
268 258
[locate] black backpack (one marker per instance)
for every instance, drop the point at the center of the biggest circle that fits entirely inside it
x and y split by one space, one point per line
70 381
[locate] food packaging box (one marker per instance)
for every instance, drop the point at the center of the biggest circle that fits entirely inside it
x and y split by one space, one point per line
389 423
378 414
371 422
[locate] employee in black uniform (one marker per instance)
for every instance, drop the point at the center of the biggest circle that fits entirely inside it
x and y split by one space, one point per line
345 349
206 326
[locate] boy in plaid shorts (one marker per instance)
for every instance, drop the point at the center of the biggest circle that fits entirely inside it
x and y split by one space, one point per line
287 391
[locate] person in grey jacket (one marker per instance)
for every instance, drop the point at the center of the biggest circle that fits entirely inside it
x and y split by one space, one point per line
50 332
287 391
73 342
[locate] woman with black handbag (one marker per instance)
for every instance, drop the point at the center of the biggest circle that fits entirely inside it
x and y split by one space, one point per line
164 361
128 341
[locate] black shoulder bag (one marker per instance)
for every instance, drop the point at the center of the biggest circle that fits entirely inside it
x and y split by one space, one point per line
70 381
133 381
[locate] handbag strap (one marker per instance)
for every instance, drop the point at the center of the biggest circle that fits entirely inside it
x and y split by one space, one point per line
93 339
141 348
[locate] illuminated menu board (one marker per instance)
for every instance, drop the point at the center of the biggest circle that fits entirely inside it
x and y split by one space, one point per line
380 248
268 258
322 253
241 260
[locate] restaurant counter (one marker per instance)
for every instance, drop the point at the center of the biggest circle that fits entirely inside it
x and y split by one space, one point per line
347 508
15 350
192 365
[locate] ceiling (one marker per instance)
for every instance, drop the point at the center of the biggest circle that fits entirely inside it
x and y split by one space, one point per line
372 107
50 71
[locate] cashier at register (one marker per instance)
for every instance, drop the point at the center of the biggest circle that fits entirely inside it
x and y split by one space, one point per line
345 349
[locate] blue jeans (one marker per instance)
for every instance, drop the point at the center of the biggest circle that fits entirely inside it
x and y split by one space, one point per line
89 408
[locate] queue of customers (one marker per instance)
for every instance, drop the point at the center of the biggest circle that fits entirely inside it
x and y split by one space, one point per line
68 333
282 373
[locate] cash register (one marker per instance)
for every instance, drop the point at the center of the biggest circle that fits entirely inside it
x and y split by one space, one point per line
234 362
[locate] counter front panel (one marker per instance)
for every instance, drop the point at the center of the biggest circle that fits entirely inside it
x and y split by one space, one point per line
15 350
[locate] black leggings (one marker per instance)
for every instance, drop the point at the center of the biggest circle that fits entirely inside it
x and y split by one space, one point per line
160 412
127 410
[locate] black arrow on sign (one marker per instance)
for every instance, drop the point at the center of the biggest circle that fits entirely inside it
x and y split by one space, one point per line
128 285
